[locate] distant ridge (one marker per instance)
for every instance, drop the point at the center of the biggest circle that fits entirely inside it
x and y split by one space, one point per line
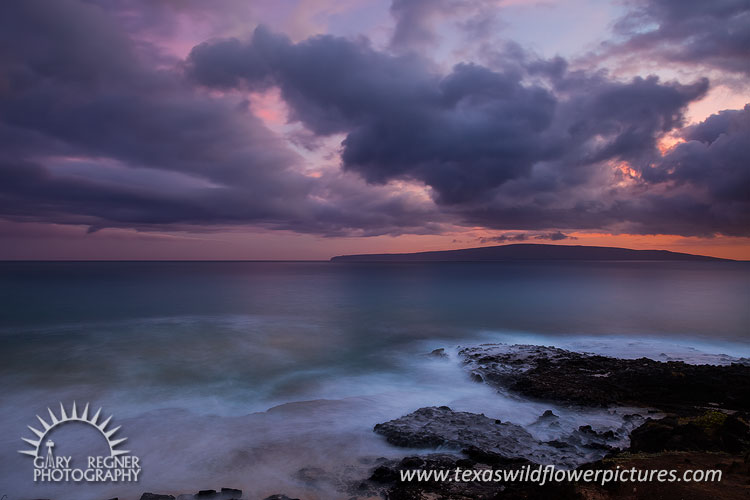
526 251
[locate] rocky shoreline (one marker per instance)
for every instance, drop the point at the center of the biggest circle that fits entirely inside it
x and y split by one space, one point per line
693 417
476 435
553 374
703 424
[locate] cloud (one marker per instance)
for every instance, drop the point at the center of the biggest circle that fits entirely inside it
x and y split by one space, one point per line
96 129
712 162
92 132
504 238
423 24
464 133
531 145
414 20
517 237
708 34
554 236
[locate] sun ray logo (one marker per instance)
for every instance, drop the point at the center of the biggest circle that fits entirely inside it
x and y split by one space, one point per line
119 465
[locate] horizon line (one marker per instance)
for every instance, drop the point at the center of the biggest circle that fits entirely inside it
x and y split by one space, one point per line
418 252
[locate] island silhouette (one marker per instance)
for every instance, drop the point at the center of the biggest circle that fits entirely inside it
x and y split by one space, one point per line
527 251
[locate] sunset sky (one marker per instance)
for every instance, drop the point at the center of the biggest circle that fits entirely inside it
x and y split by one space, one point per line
281 129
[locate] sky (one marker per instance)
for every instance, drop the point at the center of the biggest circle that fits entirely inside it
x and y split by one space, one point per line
303 129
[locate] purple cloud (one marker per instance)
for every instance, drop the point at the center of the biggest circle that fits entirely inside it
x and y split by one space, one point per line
98 127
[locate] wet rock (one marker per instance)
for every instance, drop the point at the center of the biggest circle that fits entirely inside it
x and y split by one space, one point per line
735 433
481 438
558 444
438 353
690 437
465 463
712 431
434 427
469 490
412 462
224 494
585 379
312 475
587 429
154 496
732 486
384 474
486 457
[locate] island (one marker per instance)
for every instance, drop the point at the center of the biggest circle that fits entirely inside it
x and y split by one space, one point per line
527 251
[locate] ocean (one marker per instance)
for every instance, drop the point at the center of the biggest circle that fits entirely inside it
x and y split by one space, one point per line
269 376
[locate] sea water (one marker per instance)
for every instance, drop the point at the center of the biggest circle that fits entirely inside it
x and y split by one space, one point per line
269 376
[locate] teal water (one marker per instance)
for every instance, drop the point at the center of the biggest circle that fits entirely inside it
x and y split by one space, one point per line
196 353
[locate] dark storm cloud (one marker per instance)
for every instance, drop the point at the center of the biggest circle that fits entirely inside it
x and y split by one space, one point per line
634 114
31 193
697 189
462 134
506 238
75 82
554 236
707 33
97 128
497 150
714 157
87 121
704 182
